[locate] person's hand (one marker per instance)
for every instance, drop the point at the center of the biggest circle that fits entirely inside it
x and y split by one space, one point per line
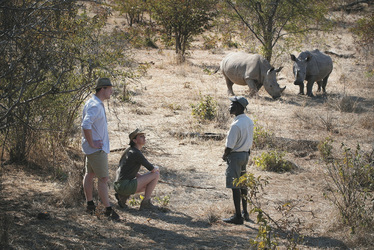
224 157
97 144
155 169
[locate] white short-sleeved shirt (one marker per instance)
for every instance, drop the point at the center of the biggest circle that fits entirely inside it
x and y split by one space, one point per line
240 136
94 118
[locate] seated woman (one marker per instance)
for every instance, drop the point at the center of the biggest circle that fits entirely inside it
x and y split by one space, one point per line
128 180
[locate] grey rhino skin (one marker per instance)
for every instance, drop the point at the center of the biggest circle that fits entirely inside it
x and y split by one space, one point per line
252 70
312 66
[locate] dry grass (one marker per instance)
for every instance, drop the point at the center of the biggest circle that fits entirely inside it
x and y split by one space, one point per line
192 171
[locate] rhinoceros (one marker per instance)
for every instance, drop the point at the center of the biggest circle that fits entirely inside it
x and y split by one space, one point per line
312 66
252 70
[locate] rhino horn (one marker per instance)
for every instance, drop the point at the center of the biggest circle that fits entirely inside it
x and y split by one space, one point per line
279 69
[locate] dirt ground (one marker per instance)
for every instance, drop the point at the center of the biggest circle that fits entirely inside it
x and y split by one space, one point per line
192 171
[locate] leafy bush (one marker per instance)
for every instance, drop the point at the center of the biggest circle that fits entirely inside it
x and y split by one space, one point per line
350 185
273 161
325 149
206 109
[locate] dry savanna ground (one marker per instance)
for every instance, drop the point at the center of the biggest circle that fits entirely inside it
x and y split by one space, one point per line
37 212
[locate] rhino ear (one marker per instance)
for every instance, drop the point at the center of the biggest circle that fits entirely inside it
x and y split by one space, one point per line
270 70
293 58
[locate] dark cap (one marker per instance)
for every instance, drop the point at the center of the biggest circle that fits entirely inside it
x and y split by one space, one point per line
103 82
136 132
239 99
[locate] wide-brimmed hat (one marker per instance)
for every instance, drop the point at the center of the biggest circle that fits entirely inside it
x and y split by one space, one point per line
239 99
103 82
136 132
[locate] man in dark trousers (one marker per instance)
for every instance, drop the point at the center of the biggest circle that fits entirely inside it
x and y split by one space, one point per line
237 150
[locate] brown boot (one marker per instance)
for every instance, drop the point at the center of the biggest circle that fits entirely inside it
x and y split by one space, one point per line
147 204
121 199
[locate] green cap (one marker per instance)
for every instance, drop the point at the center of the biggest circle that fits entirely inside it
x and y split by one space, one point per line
103 82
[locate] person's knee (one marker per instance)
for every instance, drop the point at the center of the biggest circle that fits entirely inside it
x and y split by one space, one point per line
103 180
156 175
89 176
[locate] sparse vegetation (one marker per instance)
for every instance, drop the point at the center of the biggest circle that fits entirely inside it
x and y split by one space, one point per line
42 201
262 138
325 148
350 182
271 230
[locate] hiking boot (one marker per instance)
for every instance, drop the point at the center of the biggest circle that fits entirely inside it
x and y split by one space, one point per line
147 204
91 209
245 215
112 215
121 199
234 220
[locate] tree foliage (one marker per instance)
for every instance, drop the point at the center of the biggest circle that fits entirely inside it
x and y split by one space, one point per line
52 52
364 29
181 20
271 20
132 9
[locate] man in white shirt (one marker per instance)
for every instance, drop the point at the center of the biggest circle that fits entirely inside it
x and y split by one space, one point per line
237 150
95 145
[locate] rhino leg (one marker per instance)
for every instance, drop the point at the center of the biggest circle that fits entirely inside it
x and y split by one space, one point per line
229 84
252 86
258 85
301 89
324 83
309 88
319 86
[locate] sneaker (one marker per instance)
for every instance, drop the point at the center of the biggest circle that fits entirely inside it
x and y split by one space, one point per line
245 215
121 199
91 209
147 204
234 220
112 215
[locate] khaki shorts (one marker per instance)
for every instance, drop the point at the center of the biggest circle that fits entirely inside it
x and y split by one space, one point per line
97 163
236 167
126 187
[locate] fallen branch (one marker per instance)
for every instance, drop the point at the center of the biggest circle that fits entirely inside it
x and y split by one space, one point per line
118 149
191 186
339 55
353 6
207 136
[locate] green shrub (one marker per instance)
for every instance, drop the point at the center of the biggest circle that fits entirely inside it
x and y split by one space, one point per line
261 137
273 161
210 42
206 109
